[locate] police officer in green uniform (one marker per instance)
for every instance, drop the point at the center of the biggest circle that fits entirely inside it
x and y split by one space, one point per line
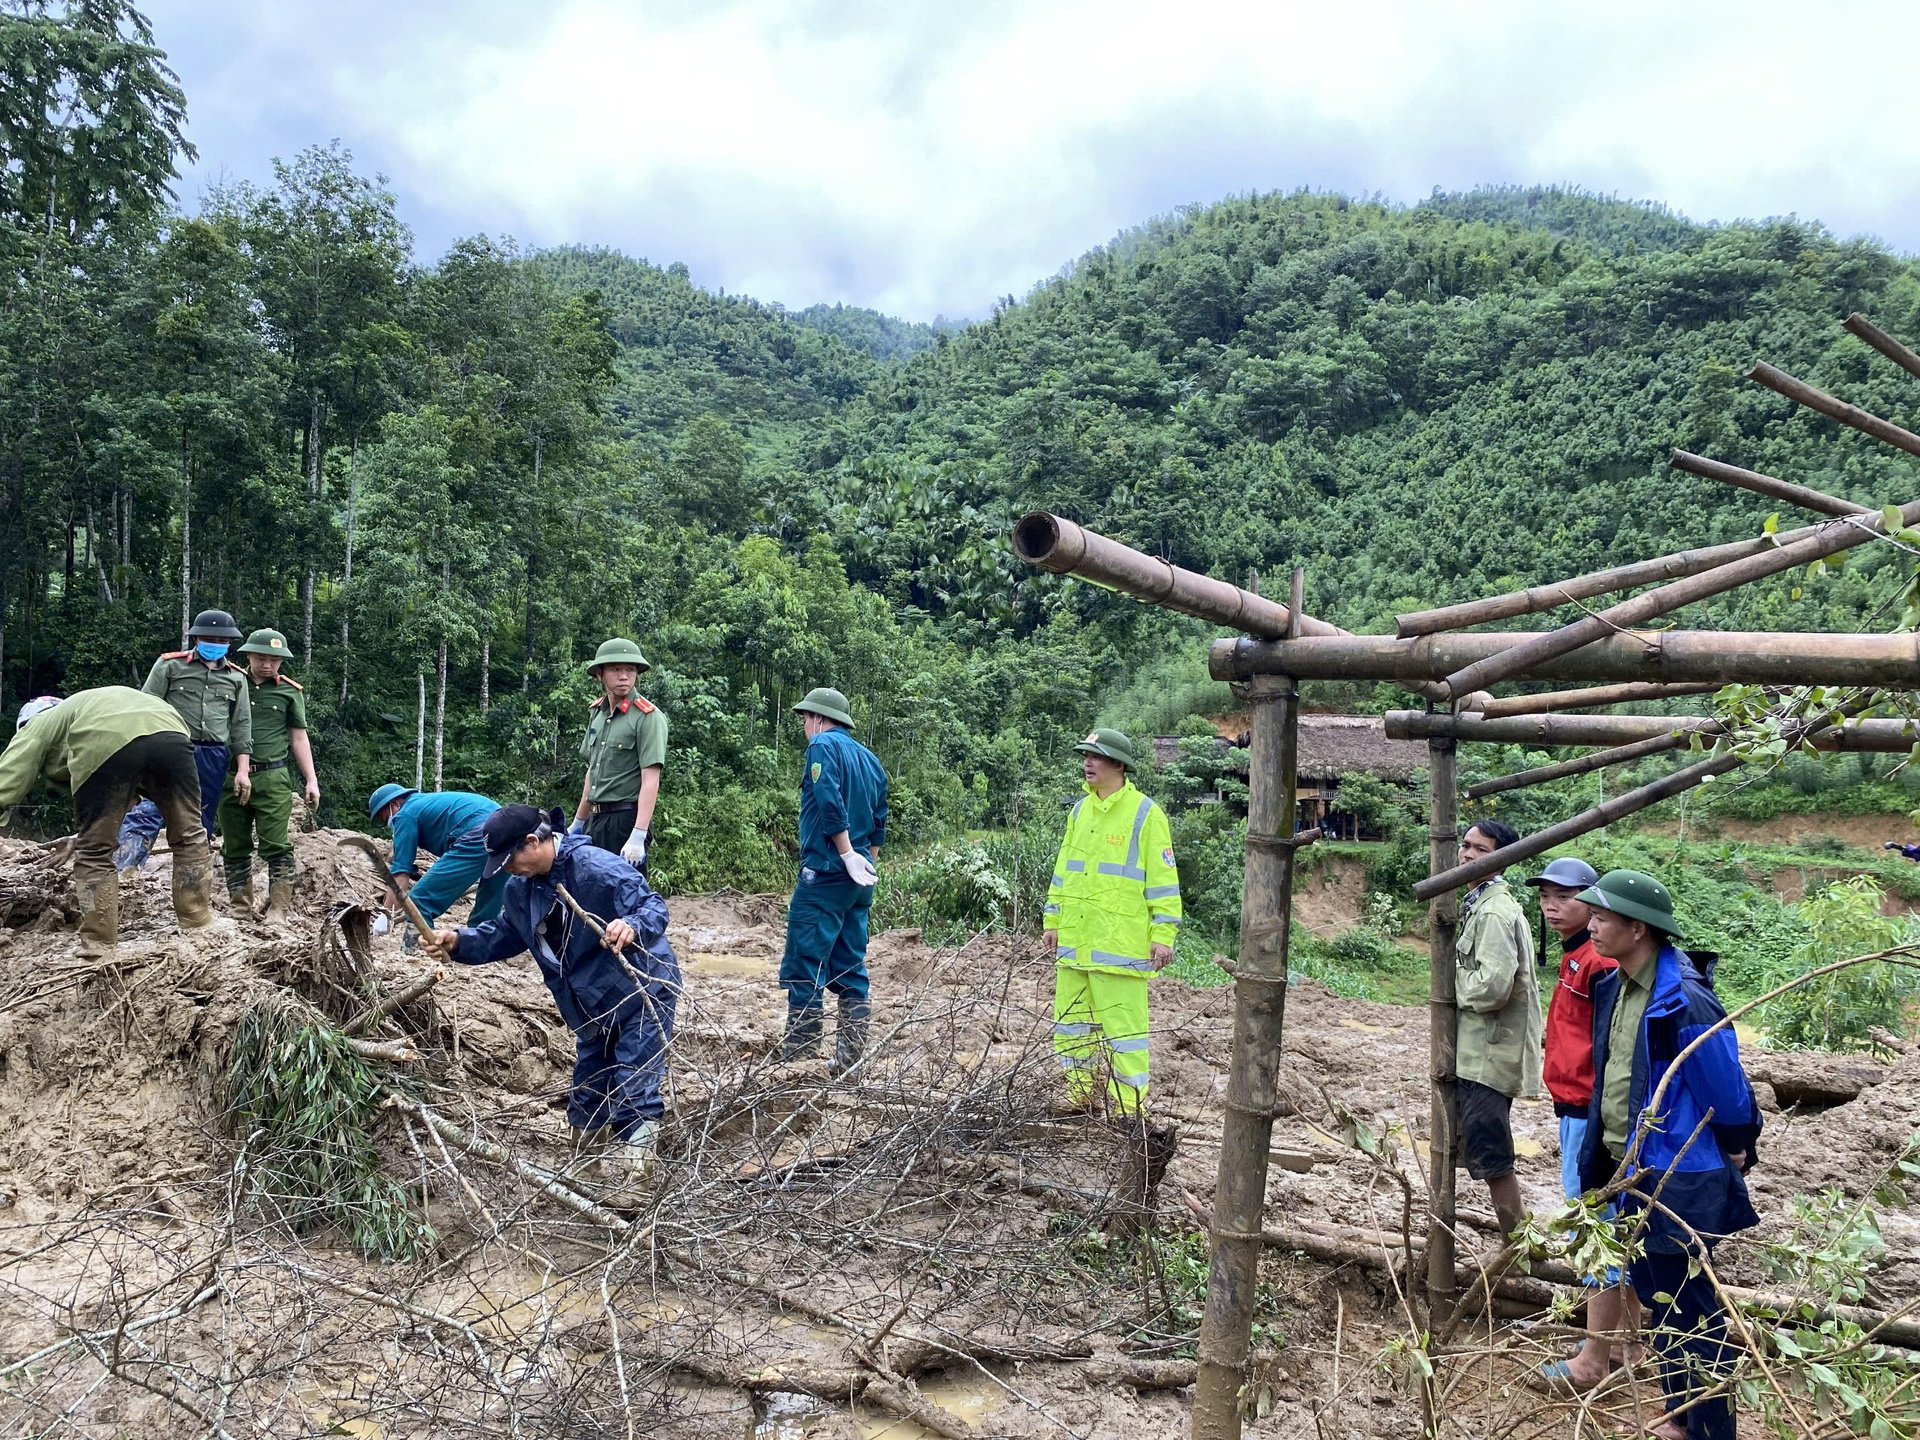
210 693
625 749
280 742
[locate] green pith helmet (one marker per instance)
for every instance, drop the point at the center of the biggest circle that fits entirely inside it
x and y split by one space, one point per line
267 642
616 652
1112 744
1636 896
830 703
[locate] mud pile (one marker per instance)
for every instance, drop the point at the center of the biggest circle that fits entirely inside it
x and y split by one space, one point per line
923 1248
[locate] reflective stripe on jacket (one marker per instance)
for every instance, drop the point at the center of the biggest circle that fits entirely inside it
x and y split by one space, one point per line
1116 890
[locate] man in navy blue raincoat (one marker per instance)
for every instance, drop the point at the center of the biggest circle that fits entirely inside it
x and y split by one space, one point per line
617 995
1699 1144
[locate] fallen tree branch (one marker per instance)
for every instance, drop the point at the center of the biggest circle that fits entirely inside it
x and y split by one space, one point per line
390 1003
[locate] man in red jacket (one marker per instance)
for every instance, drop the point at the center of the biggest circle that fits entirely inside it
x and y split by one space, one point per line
1569 1077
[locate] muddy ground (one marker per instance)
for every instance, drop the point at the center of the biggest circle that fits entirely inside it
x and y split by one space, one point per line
803 1230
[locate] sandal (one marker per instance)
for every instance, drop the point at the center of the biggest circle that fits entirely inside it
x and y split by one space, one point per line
1556 1377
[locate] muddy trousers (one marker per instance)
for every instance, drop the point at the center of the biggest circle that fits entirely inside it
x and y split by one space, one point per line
618 1069
1100 1022
143 821
269 810
826 940
161 767
1689 1333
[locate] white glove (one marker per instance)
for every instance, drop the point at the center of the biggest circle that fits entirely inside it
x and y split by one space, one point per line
634 852
860 869
579 827
381 924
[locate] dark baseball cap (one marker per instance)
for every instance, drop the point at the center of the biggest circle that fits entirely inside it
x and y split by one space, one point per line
509 827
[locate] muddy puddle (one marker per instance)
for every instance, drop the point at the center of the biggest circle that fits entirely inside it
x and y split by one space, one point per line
782 1415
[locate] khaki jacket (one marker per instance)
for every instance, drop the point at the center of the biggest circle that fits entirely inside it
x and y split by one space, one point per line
1497 994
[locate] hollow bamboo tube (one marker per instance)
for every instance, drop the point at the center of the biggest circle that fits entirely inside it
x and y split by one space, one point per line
1858 325
1887 737
1584 587
1830 539
1541 840
1442 1032
1259 1014
1595 698
1667 656
1865 421
1049 542
1579 765
1766 485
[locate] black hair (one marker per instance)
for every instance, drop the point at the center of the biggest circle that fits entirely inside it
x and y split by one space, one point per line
1498 831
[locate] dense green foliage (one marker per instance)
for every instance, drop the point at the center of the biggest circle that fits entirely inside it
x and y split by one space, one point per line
448 481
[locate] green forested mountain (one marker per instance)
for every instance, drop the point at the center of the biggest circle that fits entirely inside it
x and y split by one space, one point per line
448 478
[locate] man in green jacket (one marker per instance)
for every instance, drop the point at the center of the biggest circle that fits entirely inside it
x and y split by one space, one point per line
1498 1049
279 717
625 749
106 746
210 692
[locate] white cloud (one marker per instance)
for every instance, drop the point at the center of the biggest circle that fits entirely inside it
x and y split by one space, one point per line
925 158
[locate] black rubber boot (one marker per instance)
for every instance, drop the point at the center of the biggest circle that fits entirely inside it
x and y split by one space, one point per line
802 1039
849 1035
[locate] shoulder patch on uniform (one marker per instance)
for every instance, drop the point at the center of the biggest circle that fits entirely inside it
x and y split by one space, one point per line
1166 855
596 703
177 655
644 705
289 680
816 772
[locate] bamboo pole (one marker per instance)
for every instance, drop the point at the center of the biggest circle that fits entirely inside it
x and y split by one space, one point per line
1668 656
1528 846
1259 1013
1579 765
1553 595
1858 325
1049 542
1766 485
1834 537
1443 842
1593 698
1865 421
1887 737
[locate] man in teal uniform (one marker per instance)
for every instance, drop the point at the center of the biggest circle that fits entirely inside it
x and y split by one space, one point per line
279 708
625 749
843 822
447 823
210 692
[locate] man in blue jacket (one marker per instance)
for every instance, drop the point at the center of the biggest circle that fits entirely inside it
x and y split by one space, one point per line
1699 1145
843 822
616 994
447 823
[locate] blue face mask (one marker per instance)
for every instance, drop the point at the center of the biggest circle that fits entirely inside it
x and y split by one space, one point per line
209 651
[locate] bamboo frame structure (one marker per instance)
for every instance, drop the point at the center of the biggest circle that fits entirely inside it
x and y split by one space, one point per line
1429 654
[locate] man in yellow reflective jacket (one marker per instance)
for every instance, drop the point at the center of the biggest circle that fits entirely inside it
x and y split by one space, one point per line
1112 911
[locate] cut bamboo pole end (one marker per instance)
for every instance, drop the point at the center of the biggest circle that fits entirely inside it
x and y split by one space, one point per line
1783 490
1834 408
1859 326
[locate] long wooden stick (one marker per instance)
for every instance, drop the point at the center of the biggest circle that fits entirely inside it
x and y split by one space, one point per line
1807 499
1259 1014
1865 421
1579 765
1667 656
1833 538
1885 737
1443 920
390 1003
1553 595
1858 325
1596 697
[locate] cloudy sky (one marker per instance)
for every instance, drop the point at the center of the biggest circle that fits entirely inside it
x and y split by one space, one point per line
924 158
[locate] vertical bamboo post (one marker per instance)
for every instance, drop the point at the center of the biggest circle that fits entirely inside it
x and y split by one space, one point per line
1443 914
1259 1011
